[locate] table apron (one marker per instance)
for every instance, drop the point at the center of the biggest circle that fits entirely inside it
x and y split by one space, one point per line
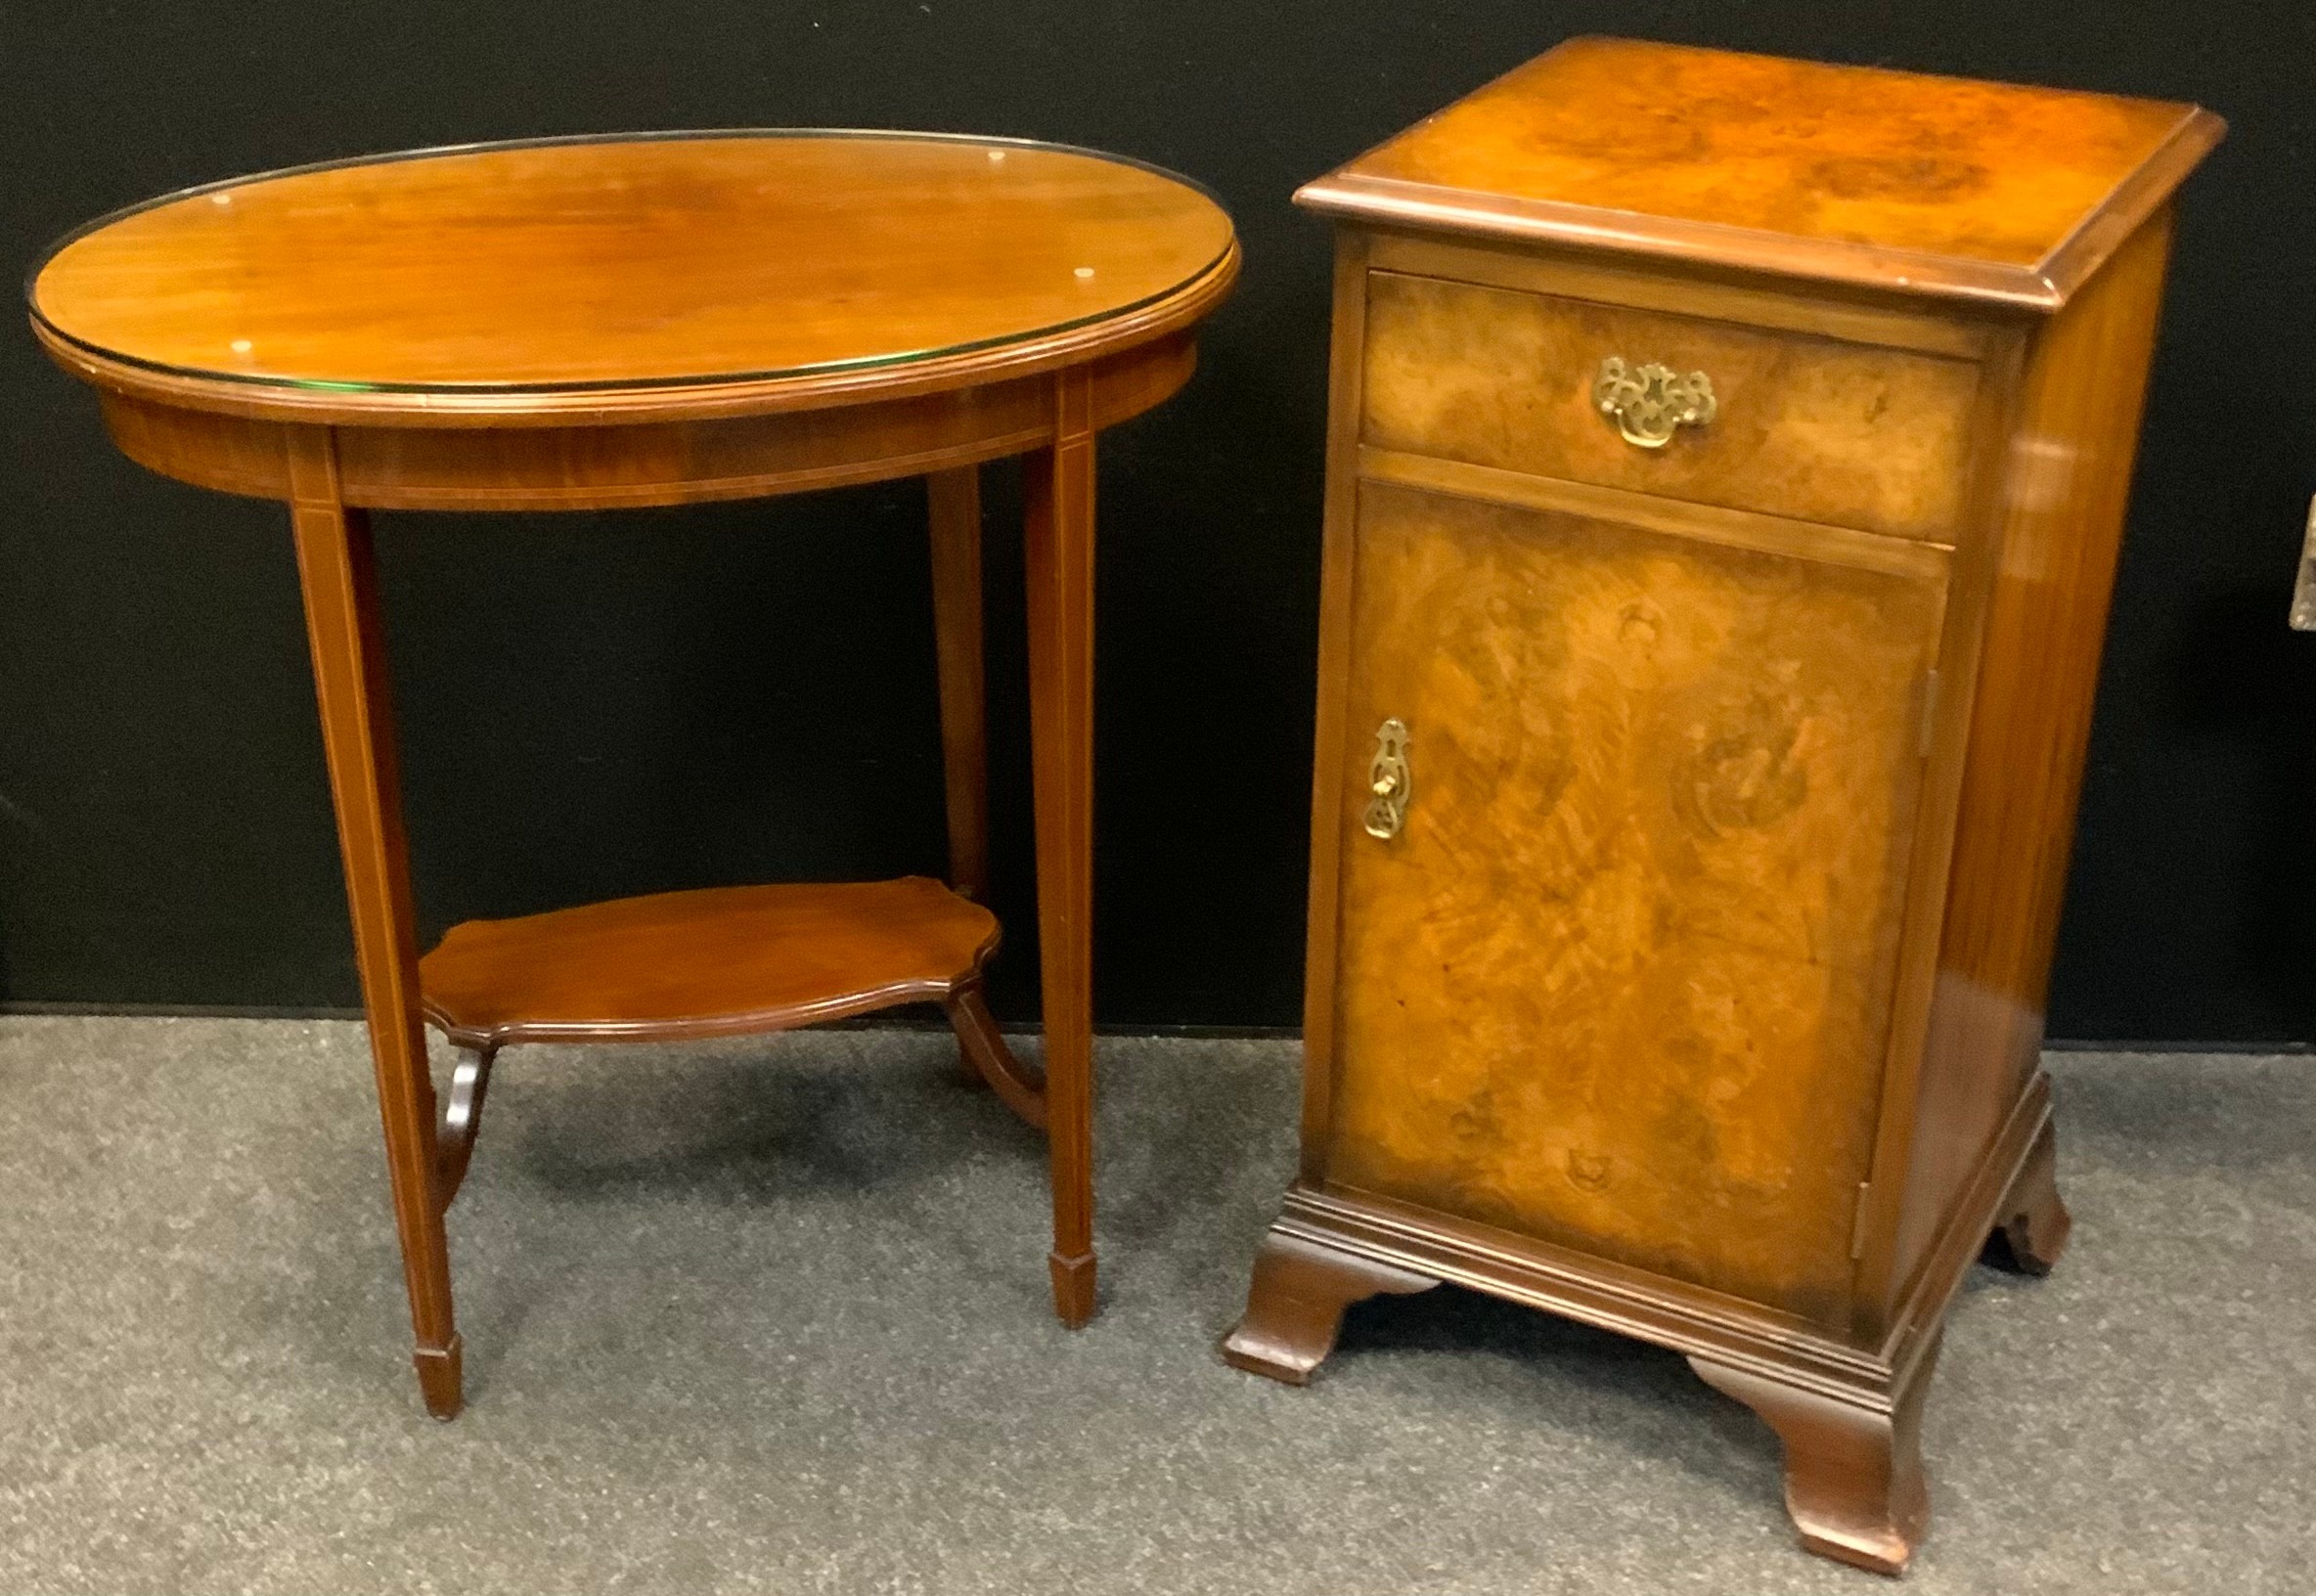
613 465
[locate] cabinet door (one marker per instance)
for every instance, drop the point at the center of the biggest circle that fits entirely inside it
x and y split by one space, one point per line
1622 978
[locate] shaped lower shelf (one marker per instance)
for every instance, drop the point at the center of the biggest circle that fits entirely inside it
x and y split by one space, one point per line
713 962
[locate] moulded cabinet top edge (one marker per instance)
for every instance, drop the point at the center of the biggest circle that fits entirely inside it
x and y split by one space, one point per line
1945 187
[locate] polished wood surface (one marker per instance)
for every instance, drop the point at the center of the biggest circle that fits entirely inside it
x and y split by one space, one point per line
707 962
623 464
1855 315
1680 517
953 502
2061 528
1331 735
1663 798
2033 1222
1815 428
1057 543
604 324
1853 1478
1295 1314
1694 989
677 261
338 569
1933 184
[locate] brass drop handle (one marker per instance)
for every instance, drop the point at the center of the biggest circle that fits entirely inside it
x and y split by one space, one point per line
1650 403
1388 780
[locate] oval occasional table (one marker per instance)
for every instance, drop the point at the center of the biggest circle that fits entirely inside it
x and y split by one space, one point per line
658 320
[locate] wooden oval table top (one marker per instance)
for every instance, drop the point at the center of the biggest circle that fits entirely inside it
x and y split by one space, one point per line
631 274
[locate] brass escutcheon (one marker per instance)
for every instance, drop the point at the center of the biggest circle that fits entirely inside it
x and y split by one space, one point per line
1652 402
1387 780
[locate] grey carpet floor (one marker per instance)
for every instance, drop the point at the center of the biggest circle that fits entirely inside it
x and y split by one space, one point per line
772 1315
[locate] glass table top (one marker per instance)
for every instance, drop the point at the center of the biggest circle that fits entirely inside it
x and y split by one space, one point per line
627 262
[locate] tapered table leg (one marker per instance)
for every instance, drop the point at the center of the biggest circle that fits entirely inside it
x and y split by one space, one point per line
1059 555
952 505
953 500
339 574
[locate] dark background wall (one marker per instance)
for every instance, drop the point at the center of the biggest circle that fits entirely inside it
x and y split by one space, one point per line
601 704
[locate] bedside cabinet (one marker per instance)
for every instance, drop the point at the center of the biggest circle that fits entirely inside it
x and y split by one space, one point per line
1726 465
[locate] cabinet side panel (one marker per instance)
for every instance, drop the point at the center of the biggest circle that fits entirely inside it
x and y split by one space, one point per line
1344 366
2067 485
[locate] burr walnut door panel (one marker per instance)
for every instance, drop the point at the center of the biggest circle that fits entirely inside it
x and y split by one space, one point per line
1622 978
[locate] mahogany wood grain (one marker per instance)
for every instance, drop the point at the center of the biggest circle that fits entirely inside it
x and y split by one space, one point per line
1568 1281
1336 663
2060 530
716 962
1697 994
338 568
1294 1310
1853 1477
662 320
1057 555
462 1120
2032 1222
1960 658
602 270
1020 1087
1810 428
954 502
626 465
1937 186
1978 1214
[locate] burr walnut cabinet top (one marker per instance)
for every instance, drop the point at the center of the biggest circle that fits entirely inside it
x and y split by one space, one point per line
632 276
1893 180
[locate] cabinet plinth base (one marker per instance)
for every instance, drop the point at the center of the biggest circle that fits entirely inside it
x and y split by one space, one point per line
2033 1224
1295 1306
1853 1477
1848 1415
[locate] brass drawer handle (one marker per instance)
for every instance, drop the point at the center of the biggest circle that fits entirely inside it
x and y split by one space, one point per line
1649 404
1387 779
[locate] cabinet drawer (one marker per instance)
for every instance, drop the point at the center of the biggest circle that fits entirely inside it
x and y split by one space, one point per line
1615 951
1816 428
